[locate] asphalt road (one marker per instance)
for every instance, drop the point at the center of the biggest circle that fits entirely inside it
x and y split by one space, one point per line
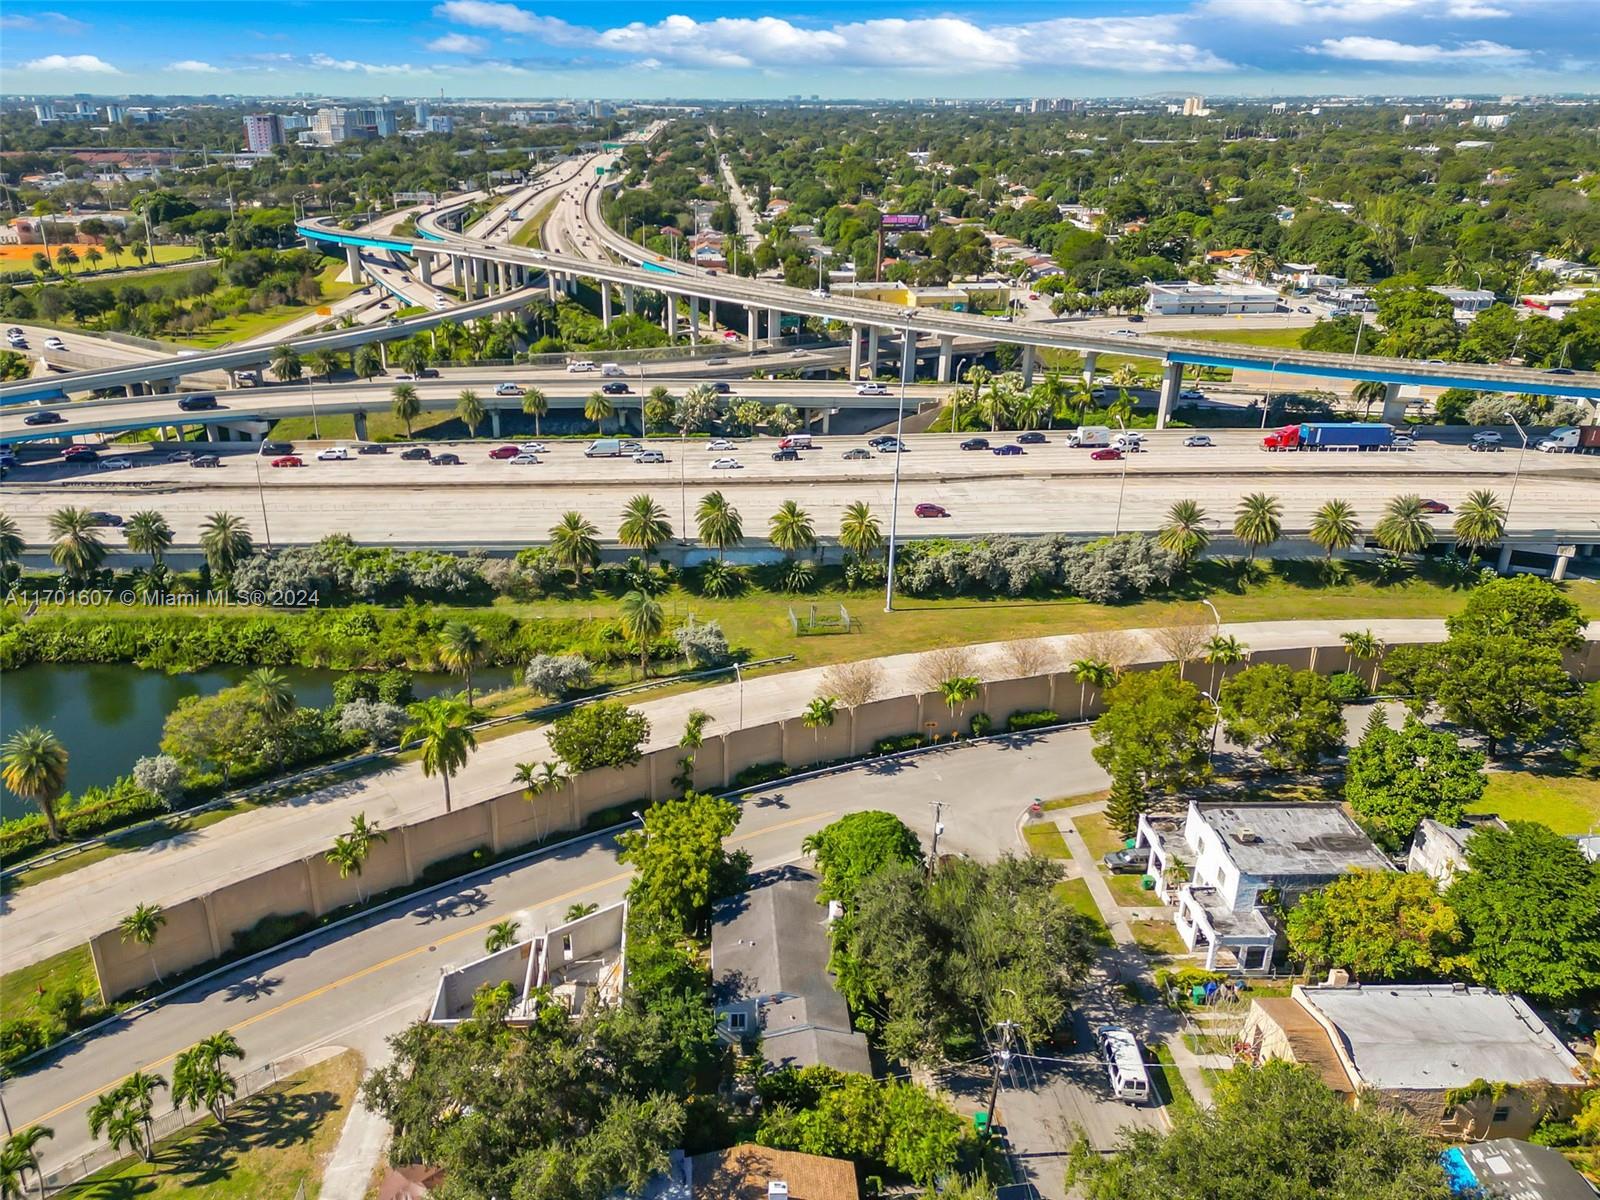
350 986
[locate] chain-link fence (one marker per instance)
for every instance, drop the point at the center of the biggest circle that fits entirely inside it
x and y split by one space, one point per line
166 1124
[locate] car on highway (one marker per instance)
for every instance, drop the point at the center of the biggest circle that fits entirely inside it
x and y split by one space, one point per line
856 454
726 464
1559 371
614 389
180 456
931 510
1435 506
504 452
522 456
1008 450
289 460
1106 454
54 343
716 362
649 456
1302 309
821 293
114 464
871 389
1002 318
630 446
79 454
535 448
205 460
441 302
197 403
1403 441
975 443
1484 447
17 342
415 454
105 518
721 444
1488 435
446 460
1032 438
1198 439
507 389
273 449
786 456
43 417
1191 394
372 448
334 454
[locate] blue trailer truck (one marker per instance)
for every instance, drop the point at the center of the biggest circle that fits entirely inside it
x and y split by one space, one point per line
1330 436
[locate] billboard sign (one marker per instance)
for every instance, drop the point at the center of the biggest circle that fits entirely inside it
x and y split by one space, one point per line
904 222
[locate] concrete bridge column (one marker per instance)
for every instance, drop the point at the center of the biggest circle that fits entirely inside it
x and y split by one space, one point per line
827 420
711 315
1089 357
494 421
1171 384
908 354
752 327
1394 408
550 280
360 420
425 267
872 351
352 258
627 298
1503 563
1559 571
455 271
694 320
1027 366
946 350
605 305
503 272
211 432
774 326
672 316
855 352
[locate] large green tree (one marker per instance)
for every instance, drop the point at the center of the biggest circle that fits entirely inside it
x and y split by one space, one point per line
608 734
1290 717
1508 689
1524 606
1376 925
1395 778
1157 729
857 846
681 864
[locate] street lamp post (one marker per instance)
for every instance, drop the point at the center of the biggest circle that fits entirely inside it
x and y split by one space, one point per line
1517 474
1216 616
1122 487
261 495
907 364
738 673
1266 401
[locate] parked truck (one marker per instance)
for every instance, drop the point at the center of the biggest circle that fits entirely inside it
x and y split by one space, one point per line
1090 436
1330 436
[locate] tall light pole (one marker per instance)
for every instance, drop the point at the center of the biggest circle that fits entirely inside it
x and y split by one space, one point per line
261 495
1517 474
738 673
907 364
1123 486
1214 613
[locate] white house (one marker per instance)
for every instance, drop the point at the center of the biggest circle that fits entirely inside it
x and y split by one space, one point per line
1184 299
1214 865
1441 850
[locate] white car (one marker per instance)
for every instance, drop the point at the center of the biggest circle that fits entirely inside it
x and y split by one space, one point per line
649 456
525 457
720 444
333 454
726 464
1403 441
575 368
871 389
822 293
1124 333
1198 439
54 343
534 448
1191 394
507 389
441 302
1489 436
114 464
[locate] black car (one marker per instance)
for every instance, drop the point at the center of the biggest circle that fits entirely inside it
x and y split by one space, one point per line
373 448
1004 450
614 389
105 518
197 403
205 460
1559 371
45 417
276 449
786 456
975 444
446 460
416 453
721 388
1032 438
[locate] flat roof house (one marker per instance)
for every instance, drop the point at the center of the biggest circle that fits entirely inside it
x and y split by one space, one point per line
1509 1169
1464 1062
769 977
1215 863
1441 850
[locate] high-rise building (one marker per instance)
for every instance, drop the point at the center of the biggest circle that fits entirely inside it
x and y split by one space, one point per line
330 125
290 122
1195 106
262 131
385 123
422 113
441 124
115 113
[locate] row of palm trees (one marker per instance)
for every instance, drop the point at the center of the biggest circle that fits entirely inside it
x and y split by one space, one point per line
1402 528
78 551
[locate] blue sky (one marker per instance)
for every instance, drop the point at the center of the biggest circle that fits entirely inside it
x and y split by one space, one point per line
1069 48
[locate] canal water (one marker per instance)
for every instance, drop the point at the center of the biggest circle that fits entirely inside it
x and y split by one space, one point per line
110 715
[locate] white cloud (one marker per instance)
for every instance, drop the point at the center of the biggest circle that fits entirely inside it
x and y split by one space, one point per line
85 64
508 18
1349 12
1371 49
60 21
328 63
458 43
194 66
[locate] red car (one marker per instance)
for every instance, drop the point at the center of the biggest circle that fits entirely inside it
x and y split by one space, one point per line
79 454
504 452
1105 455
932 510
1435 506
288 460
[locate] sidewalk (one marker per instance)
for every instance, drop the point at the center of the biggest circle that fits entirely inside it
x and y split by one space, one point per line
61 913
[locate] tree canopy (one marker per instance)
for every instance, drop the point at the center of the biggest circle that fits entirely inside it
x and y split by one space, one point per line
1290 717
1395 778
1377 925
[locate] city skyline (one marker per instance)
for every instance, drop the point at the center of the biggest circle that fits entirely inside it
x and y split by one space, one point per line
490 49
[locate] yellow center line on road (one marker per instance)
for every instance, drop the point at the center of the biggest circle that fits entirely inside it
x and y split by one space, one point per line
403 956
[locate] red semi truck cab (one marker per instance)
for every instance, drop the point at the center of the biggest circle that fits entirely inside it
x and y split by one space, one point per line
1287 438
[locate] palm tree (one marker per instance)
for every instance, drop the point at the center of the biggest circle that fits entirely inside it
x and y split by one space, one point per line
460 648
77 550
599 409
501 936
957 690
200 1080
270 692
225 542
1091 673
11 545
977 376
1481 521
414 354
1365 645
1404 527
576 912
141 927
33 764
148 533
24 1144
1185 532
1367 393
286 363
443 727
1125 376
791 528
13 1172
350 856
642 621
1334 526
859 531
574 539
820 712
720 524
536 406
1223 650
323 362
138 1091
1258 521
406 406
112 1115
1120 409
644 525
368 361
470 411
538 778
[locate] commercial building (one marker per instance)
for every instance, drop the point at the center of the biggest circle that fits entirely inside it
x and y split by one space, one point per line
1463 1062
1465 303
440 124
1195 106
1181 298
422 112
1491 121
262 131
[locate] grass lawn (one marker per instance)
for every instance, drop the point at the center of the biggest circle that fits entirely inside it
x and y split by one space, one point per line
1103 839
1097 831
1279 336
15 257
1566 803
249 325
1158 938
1075 894
22 990
1045 840
528 235
1169 1080
272 1143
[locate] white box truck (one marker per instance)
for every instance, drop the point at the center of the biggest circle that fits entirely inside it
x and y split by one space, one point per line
1090 437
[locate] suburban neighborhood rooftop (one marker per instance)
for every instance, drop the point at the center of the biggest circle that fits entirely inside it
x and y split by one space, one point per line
1292 839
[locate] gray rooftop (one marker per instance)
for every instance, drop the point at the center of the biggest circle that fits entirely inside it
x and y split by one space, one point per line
1436 1036
1281 841
1230 922
1508 1169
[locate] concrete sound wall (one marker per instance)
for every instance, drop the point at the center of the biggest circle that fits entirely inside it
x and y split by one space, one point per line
202 929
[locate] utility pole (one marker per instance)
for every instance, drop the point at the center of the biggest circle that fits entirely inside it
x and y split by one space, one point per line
1002 1060
938 828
